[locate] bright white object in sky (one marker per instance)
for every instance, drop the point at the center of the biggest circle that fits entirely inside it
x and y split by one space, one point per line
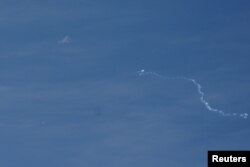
199 91
140 72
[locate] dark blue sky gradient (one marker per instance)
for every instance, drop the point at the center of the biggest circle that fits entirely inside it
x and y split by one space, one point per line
82 104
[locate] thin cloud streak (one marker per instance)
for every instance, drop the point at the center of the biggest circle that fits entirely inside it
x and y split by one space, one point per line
65 40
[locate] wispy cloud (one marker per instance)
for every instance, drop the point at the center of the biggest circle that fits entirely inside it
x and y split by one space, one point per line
65 40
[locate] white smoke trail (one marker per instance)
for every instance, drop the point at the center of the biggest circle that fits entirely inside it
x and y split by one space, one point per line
200 92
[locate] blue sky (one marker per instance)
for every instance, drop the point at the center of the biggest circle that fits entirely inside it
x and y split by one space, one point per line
81 103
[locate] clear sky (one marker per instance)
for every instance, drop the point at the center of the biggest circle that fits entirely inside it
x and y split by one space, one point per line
70 95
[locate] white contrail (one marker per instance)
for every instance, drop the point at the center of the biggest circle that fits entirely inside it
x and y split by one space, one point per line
199 87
